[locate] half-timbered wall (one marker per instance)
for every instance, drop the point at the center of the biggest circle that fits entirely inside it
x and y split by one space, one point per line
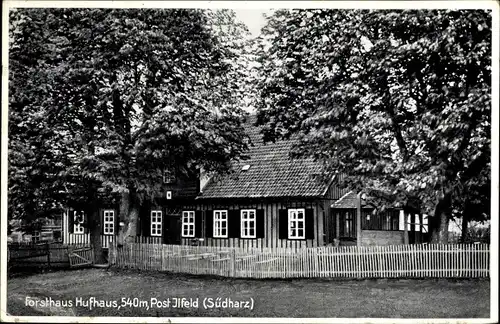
69 237
271 228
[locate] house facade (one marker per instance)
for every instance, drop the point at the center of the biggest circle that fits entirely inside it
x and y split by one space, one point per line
269 201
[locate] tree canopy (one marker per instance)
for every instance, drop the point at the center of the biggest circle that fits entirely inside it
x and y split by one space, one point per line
397 100
103 100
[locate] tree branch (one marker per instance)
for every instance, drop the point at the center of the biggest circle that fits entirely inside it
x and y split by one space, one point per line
396 128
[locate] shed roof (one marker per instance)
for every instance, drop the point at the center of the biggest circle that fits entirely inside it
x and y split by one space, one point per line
270 172
348 201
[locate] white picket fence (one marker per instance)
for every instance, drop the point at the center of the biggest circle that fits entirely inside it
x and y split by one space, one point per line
398 261
106 240
84 239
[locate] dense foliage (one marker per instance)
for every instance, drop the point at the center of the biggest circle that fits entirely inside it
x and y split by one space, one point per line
103 100
399 101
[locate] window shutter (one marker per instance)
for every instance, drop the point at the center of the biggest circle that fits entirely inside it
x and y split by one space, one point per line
86 222
117 223
309 224
283 224
260 223
71 221
197 223
101 217
234 223
143 213
209 220
146 223
165 227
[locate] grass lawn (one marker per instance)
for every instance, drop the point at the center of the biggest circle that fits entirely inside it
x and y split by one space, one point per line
272 298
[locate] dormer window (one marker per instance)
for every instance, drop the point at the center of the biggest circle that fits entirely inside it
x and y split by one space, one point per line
168 177
246 167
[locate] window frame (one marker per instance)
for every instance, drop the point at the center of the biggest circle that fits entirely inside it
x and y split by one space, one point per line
35 237
387 220
247 221
158 229
296 221
219 222
186 224
77 226
349 230
111 222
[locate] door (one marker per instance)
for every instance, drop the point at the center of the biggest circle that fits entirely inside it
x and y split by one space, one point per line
173 230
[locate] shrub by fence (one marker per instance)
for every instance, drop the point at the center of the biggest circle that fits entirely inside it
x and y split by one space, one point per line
414 261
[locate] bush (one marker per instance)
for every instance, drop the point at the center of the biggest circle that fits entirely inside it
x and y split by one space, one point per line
476 232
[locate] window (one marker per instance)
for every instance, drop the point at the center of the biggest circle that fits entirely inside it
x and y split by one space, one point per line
220 223
109 222
188 223
347 223
168 177
395 221
387 220
296 222
156 222
248 223
425 224
78 218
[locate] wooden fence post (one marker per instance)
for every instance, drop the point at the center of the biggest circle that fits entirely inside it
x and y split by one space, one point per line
358 219
233 263
406 239
112 251
47 246
316 261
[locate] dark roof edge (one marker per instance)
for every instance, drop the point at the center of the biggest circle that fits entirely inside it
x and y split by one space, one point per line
261 197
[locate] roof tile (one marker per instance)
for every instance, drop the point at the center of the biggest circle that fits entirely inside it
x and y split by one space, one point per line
272 173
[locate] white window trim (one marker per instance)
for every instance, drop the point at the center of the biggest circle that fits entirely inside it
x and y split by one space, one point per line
158 213
303 220
186 225
111 223
425 224
78 227
219 221
248 220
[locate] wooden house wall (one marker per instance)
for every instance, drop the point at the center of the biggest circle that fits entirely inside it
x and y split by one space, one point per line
182 187
330 223
84 238
334 193
330 226
271 225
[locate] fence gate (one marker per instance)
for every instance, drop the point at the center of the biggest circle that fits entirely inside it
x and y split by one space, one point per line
81 257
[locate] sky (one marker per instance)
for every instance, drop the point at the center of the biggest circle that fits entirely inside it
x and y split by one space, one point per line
253 18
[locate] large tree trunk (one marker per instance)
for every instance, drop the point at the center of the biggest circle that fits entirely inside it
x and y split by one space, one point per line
465 227
129 209
439 223
95 235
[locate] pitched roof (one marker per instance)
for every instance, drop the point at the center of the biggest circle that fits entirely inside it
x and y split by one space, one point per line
349 200
272 173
